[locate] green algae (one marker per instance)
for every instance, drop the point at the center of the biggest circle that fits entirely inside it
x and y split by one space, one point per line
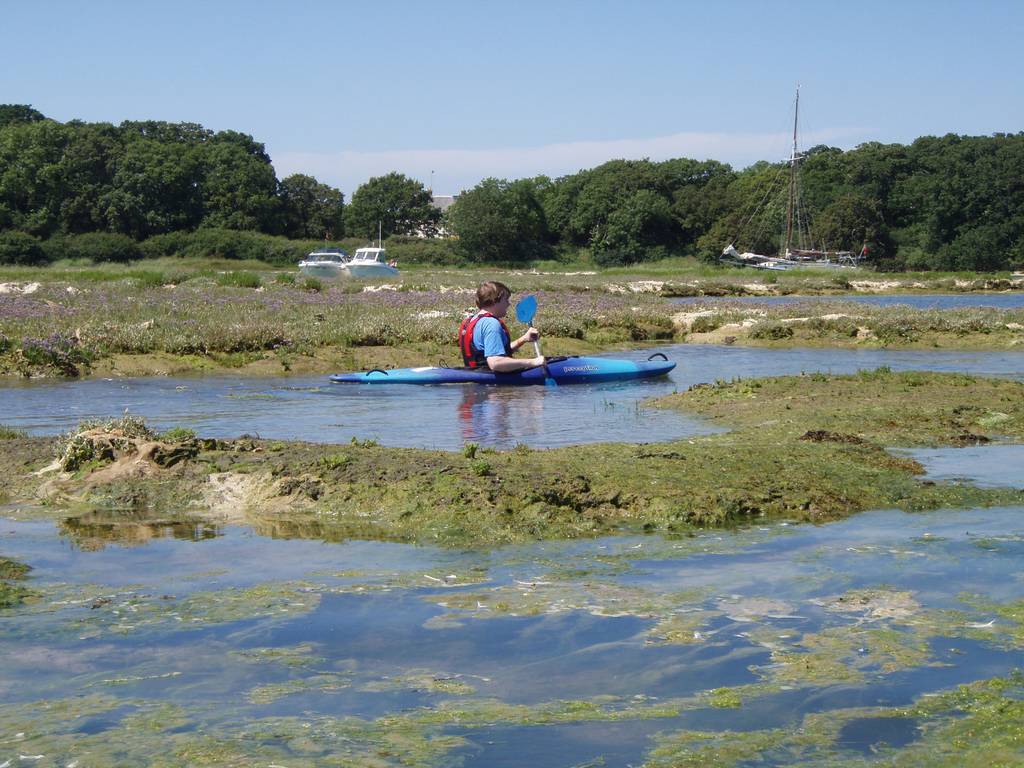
867 409
301 655
606 599
418 736
89 612
141 732
133 611
725 698
424 680
1005 625
698 749
320 683
13 594
981 724
839 655
680 629
975 725
883 632
480 713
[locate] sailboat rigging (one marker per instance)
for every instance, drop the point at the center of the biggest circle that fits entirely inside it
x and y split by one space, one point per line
797 246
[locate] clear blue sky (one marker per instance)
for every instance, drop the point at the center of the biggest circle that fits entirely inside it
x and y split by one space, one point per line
474 88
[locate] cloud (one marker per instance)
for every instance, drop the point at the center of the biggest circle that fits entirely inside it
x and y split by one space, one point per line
456 169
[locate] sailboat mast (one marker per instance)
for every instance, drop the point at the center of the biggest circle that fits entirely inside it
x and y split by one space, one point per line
791 206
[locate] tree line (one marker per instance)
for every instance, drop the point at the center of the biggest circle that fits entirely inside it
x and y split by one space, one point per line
951 202
940 203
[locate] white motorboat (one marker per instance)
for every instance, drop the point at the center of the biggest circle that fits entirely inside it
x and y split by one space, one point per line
325 263
370 261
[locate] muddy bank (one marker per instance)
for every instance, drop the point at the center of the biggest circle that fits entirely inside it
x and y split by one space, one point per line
807 448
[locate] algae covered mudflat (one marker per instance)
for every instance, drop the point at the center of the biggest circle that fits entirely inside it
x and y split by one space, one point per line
806 448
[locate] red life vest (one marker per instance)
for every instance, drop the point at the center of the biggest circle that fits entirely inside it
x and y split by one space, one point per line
471 356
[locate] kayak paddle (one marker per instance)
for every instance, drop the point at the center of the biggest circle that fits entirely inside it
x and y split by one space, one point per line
526 308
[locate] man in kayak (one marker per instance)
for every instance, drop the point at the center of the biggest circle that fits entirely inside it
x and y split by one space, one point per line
484 338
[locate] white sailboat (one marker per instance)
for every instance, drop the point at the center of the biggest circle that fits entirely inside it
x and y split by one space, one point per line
797 246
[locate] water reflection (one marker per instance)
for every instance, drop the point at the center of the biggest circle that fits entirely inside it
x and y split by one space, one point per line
94 530
491 415
869 735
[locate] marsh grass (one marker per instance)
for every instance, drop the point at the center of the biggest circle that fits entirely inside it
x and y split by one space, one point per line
241 313
239 279
844 323
218 307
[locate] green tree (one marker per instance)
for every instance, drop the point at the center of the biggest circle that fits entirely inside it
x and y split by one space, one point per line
20 248
607 188
31 192
637 230
311 209
85 173
192 134
852 221
397 204
699 199
155 189
238 184
19 113
559 202
500 222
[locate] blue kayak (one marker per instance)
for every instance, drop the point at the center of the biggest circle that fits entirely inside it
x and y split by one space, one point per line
564 370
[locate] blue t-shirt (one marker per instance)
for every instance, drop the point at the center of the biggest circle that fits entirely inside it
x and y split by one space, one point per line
489 336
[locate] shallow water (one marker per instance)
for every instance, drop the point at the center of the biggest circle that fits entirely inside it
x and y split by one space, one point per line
988 466
203 645
293 652
916 300
449 416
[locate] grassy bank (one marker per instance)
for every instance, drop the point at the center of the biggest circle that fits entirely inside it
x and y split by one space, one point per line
807 448
172 316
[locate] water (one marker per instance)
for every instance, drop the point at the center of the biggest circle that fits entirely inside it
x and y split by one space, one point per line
196 644
987 466
447 417
915 300
225 640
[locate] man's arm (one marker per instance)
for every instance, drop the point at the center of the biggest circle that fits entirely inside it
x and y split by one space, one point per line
532 334
503 364
497 360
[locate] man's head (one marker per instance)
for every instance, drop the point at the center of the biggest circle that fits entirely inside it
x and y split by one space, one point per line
491 293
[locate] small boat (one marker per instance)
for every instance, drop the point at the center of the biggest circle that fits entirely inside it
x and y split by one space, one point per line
564 370
370 261
325 263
